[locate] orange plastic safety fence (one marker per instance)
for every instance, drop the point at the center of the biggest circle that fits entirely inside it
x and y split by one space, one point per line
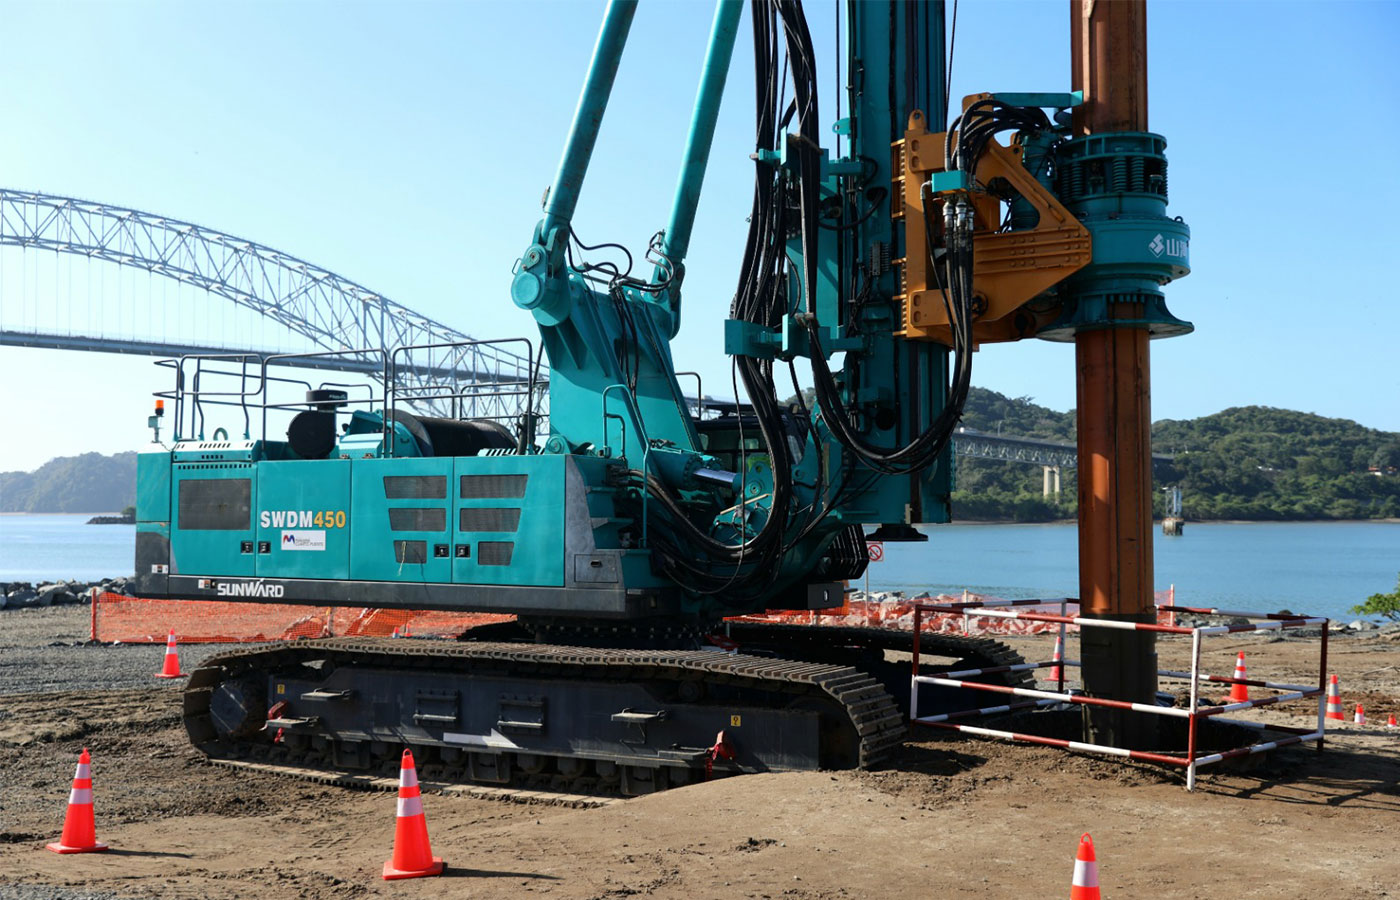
116 617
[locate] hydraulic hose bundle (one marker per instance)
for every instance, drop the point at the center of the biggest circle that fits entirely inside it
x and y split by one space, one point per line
967 138
752 564
972 130
786 204
762 297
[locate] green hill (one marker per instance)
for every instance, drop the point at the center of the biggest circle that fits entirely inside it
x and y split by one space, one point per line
1256 462
89 483
993 490
1252 462
989 411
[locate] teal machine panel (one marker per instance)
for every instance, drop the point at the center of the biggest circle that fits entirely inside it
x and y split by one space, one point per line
303 519
153 515
212 532
508 513
153 486
400 527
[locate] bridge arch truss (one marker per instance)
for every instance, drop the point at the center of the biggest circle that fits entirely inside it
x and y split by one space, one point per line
329 311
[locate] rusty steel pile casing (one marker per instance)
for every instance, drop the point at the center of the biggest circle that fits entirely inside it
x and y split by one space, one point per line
1109 60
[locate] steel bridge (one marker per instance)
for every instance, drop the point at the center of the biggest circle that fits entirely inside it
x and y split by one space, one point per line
981 445
314 307
1033 451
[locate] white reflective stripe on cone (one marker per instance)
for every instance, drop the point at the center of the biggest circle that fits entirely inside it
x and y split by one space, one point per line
1086 874
80 797
84 771
410 806
408 777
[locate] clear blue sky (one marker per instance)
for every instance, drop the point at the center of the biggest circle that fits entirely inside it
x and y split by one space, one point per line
406 146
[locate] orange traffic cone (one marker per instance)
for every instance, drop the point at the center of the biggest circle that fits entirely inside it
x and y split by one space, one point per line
1086 872
413 857
1391 723
1239 693
1360 718
1057 674
1334 701
79 830
171 669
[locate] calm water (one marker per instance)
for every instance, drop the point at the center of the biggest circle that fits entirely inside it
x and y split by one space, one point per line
43 548
1320 568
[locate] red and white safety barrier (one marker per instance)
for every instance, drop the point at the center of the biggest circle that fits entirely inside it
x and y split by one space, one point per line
1192 760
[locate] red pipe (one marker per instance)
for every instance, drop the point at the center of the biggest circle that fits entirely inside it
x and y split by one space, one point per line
1254 748
1069 698
1065 745
918 627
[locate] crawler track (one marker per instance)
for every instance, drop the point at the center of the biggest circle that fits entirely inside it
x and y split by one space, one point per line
860 719
827 639
855 707
867 648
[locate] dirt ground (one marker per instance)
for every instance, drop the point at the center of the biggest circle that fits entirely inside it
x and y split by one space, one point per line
949 817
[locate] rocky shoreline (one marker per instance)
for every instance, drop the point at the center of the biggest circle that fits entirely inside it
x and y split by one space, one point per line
25 595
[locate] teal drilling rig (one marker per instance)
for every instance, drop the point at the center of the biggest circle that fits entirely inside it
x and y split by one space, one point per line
625 530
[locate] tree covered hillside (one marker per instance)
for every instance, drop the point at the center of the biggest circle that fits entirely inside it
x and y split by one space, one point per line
1250 462
989 411
991 489
90 483
1256 462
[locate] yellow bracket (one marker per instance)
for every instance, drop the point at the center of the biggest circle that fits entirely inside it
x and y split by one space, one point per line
1009 270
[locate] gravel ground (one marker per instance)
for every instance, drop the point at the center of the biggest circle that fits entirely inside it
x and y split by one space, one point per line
947 817
38 653
45 649
43 892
